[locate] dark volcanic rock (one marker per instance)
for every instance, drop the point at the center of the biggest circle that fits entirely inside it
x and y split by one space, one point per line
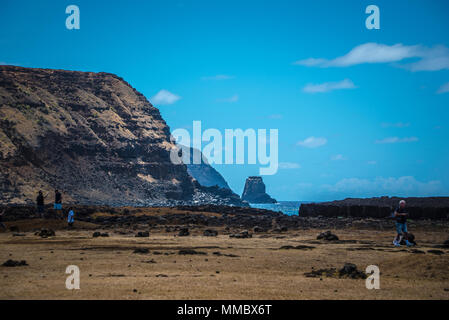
45 233
141 251
254 191
242 235
184 232
191 252
382 207
99 234
13 263
210 233
328 236
142 234
350 270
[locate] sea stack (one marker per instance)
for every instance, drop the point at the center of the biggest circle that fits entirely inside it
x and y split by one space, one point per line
254 191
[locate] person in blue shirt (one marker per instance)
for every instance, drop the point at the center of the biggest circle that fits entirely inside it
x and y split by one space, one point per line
71 218
401 215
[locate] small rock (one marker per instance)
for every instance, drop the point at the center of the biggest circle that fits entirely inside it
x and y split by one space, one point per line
328 236
13 263
210 233
242 235
184 232
141 251
142 234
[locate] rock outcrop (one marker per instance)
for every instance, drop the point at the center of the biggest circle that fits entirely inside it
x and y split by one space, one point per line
254 191
382 207
203 172
90 135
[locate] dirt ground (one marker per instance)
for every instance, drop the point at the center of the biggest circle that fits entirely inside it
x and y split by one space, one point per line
223 268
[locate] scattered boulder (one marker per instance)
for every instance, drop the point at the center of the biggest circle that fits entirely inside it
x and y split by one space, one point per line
350 270
99 234
13 263
437 252
184 232
331 272
258 229
141 251
142 234
242 235
299 247
190 252
279 229
328 236
45 233
210 233
446 244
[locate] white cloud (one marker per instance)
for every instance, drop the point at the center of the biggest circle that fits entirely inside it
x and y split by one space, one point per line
431 59
402 186
289 165
372 162
232 99
164 97
397 140
218 77
329 86
338 157
312 142
444 88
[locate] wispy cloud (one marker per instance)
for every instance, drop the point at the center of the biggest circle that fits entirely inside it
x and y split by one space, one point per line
329 86
430 59
402 186
232 99
218 77
312 142
397 140
275 116
338 157
289 165
444 88
164 97
395 125
372 162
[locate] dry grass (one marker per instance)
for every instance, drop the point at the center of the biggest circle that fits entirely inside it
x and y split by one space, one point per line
110 269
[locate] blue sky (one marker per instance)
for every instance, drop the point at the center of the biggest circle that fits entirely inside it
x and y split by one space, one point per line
360 112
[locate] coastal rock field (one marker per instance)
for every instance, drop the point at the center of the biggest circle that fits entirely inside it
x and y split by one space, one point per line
187 253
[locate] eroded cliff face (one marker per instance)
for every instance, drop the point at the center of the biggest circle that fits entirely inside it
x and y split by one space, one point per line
90 135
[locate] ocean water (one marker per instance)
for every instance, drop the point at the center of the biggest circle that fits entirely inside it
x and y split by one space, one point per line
287 207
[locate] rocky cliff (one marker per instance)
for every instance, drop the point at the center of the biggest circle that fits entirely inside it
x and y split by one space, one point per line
203 172
254 191
90 135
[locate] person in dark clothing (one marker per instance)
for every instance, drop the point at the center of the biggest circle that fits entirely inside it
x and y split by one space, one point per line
1 220
40 203
58 200
401 215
